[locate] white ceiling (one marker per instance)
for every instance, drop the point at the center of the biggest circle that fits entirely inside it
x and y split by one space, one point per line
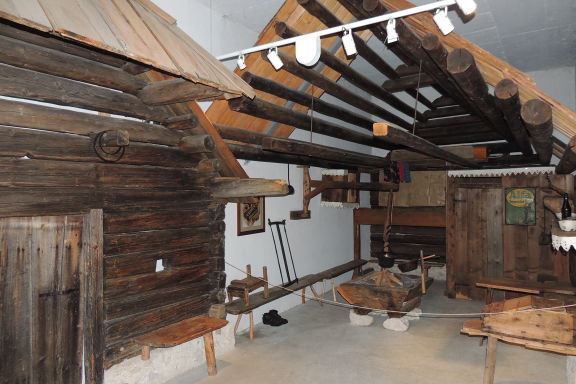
529 34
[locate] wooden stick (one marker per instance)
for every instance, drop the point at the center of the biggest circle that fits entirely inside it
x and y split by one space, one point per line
145 352
251 330
490 363
316 295
304 295
238 318
422 277
210 354
333 291
265 278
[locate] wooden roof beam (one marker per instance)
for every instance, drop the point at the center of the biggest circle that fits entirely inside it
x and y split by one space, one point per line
408 82
508 100
397 136
567 163
352 76
234 188
174 91
537 115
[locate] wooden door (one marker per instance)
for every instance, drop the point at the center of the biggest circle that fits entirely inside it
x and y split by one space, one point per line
43 297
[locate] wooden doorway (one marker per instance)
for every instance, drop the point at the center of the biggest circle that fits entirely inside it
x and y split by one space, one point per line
51 299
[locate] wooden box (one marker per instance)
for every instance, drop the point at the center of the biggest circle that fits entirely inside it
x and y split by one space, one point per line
546 325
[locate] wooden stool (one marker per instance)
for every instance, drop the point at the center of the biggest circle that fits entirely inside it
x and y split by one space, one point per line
182 332
242 288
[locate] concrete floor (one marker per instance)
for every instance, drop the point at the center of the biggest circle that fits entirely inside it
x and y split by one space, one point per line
319 345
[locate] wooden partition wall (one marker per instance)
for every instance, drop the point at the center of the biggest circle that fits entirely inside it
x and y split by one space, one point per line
481 244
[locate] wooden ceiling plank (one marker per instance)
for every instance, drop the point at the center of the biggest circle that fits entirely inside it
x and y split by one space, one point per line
29 13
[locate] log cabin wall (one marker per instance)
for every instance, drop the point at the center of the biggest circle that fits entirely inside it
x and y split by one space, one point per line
418 221
156 198
480 244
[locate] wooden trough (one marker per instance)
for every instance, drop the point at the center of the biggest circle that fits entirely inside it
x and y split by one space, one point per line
384 291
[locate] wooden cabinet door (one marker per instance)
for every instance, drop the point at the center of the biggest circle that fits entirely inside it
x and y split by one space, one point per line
41 303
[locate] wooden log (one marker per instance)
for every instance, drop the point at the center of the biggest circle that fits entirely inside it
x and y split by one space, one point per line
27 115
537 115
182 122
135 68
448 121
461 65
397 136
265 110
256 153
338 91
466 139
357 159
354 77
455 130
567 163
444 101
508 100
29 56
25 84
407 82
302 98
445 112
407 70
177 91
223 188
318 10
197 144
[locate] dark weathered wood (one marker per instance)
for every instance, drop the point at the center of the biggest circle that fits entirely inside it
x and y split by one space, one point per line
466 139
321 151
182 122
330 87
256 153
354 77
567 163
537 116
461 65
318 10
197 144
447 121
265 110
92 288
223 188
257 299
201 215
306 100
135 68
445 112
407 82
407 70
454 130
444 101
397 136
115 138
29 56
26 84
14 113
508 100
177 91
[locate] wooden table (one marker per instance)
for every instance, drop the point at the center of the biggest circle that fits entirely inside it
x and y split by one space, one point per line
474 328
182 332
529 287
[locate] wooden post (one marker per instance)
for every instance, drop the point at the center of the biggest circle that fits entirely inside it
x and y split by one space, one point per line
537 116
145 352
210 354
238 319
251 330
490 363
333 291
357 243
265 278
303 294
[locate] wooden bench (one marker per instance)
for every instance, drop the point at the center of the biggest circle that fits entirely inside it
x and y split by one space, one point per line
521 286
182 332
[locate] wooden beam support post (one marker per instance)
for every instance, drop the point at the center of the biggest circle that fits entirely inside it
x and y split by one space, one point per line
397 136
177 91
567 163
508 100
265 110
319 11
304 99
537 115
354 77
231 187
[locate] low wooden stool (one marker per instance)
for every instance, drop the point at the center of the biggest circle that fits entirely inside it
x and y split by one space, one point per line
181 332
242 288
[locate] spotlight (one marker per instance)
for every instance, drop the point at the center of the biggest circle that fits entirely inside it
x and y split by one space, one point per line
274 58
442 21
391 31
348 43
308 48
467 7
241 63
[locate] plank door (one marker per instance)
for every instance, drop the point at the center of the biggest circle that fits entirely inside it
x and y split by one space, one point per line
474 238
41 298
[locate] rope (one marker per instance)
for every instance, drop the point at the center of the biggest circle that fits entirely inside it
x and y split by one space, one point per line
416 101
377 310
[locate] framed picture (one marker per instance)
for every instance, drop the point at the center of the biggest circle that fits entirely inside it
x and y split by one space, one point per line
251 218
520 206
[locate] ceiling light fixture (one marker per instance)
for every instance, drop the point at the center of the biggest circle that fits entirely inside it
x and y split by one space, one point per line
439 7
348 42
274 59
443 21
241 63
391 34
308 49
